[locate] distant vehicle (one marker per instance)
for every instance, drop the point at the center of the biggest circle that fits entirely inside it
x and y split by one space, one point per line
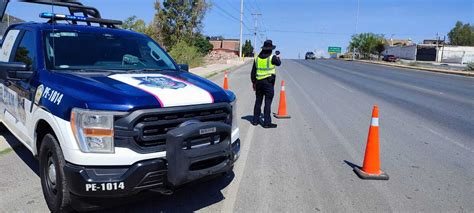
310 55
389 58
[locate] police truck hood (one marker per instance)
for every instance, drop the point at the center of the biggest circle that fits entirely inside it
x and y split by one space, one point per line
128 91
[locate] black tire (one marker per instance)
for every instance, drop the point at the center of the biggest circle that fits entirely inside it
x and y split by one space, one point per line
55 188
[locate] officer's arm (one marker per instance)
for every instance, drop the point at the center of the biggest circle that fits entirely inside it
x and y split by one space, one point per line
276 61
253 74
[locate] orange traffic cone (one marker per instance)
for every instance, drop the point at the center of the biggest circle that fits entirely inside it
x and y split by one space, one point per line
226 81
282 107
371 167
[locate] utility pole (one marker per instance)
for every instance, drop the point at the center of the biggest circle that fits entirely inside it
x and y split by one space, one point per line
437 45
357 22
442 49
255 34
241 25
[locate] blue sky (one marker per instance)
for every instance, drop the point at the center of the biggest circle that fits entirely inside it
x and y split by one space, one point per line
297 26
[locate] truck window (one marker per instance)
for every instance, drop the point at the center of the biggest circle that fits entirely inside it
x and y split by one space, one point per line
105 51
25 51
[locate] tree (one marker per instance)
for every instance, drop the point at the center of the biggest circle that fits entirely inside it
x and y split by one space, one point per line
179 20
461 34
366 43
380 47
247 48
138 25
135 24
177 26
202 44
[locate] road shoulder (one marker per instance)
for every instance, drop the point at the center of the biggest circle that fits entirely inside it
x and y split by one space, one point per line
210 70
445 71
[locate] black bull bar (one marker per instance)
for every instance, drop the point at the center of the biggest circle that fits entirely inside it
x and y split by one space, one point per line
198 150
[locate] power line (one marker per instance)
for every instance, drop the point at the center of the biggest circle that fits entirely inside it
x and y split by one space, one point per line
256 30
259 10
225 12
250 10
229 15
256 6
236 10
231 6
340 33
241 26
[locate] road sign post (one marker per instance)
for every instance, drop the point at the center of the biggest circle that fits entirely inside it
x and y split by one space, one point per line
334 49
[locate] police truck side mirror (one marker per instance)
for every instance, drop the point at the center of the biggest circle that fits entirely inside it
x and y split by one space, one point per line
183 67
14 71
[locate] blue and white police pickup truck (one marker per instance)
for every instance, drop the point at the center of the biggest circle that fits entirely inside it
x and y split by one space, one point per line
107 112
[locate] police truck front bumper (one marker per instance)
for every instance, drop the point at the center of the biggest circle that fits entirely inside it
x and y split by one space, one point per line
187 159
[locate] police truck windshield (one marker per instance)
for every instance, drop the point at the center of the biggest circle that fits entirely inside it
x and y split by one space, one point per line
84 51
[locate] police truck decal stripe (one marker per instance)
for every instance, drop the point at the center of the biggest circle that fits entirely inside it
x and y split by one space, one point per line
169 91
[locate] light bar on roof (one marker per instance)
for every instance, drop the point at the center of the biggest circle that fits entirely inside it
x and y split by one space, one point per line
62 17
54 17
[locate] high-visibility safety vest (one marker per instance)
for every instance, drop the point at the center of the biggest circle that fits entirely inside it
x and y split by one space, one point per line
265 68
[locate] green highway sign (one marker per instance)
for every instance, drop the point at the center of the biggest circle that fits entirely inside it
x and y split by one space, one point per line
334 49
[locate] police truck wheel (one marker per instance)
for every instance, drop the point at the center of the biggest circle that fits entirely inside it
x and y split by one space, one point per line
51 162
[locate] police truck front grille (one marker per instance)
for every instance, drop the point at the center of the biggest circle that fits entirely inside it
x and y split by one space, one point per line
150 126
154 128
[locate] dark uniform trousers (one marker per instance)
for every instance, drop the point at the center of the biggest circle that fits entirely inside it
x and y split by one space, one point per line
264 89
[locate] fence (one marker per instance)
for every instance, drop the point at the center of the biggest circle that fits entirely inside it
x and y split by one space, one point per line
456 54
446 54
403 52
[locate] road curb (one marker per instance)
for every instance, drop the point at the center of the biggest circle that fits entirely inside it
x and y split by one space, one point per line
230 69
463 73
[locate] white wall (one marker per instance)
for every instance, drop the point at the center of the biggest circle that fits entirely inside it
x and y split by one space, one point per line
406 52
456 54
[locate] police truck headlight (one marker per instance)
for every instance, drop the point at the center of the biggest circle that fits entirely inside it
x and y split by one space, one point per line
94 130
234 114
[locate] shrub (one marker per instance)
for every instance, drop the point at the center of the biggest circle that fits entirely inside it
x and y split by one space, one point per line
470 66
183 53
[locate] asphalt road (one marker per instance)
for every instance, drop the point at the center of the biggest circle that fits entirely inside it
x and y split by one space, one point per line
305 165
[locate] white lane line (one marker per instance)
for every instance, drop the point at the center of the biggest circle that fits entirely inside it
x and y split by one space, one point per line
448 139
343 87
239 168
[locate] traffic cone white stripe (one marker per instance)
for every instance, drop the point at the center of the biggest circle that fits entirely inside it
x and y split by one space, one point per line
374 122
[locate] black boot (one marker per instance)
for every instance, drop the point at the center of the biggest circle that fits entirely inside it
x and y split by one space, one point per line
254 122
269 126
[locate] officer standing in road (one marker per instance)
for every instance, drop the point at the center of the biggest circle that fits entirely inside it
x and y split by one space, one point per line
263 79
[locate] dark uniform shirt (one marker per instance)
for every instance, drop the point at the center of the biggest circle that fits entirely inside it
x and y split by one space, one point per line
263 54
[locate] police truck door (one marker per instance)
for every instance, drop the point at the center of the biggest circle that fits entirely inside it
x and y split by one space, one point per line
16 88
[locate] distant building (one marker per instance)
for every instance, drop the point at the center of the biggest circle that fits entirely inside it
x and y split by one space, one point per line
7 21
398 42
433 41
225 45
